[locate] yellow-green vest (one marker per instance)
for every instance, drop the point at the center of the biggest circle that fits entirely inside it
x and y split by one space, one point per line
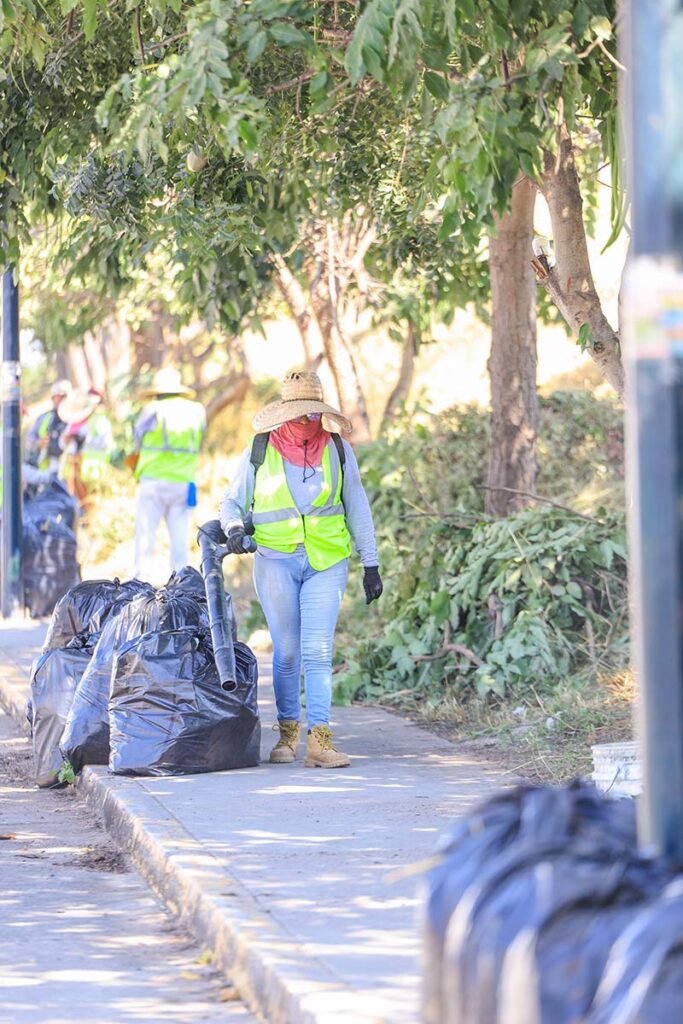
171 450
321 527
95 461
43 431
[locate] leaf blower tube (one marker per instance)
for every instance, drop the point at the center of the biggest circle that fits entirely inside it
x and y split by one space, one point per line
221 616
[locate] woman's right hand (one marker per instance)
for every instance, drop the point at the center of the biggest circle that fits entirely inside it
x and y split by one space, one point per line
238 541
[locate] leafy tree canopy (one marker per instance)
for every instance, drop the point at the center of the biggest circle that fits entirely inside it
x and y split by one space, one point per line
203 135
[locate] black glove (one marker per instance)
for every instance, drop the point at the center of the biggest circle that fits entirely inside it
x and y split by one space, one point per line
235 541
372 583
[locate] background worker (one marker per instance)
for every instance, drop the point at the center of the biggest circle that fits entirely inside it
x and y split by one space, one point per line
98 442
168 436
87 443
42 440
306 506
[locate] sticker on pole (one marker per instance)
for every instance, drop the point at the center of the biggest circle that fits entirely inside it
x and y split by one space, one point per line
653 304
11 381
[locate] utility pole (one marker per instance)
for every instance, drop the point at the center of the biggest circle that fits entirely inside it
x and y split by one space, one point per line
11 527
652 321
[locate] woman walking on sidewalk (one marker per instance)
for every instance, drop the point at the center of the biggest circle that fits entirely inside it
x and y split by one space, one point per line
299 489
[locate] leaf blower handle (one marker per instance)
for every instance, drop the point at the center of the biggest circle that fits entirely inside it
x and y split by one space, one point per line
249 544
219 604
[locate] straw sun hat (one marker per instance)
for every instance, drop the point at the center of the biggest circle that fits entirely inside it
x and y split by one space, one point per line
77 406
302 393
166 382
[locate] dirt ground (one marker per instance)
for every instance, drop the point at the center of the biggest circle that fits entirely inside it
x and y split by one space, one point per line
79 925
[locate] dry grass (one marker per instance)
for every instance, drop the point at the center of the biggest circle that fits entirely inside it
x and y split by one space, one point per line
539 736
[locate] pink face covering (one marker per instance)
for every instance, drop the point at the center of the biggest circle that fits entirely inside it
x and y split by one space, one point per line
302 444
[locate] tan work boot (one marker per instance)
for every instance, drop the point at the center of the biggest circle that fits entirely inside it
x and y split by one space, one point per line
320 753
287 747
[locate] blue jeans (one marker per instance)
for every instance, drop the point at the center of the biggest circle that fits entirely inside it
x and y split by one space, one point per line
301 606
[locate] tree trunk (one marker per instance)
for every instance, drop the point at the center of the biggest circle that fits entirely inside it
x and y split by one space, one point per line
232 391
512 363
299 306
325 301
570 281
405 379
344 370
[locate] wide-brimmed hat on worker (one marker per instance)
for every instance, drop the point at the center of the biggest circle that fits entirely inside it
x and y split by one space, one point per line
166 382
302 393
60 387
77 407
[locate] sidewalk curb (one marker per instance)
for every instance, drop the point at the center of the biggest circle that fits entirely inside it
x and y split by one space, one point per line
272 970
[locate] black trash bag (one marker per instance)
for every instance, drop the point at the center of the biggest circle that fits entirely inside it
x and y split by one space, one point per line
85 739
530 940
189 581
181 602
51 501
50 567
86 607
643 980
168 714
517 822
54 678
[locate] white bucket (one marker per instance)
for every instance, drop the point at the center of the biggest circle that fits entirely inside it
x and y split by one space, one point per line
616 769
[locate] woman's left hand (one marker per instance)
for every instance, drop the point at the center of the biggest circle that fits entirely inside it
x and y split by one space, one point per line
372 583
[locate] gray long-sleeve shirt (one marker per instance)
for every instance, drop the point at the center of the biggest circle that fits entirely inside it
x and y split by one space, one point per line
237 500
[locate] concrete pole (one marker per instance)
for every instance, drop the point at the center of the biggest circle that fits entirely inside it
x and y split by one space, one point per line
652 334
11 597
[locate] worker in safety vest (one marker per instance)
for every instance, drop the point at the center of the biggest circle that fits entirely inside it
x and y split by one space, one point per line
168 436
42 440
98 443
299 490
87 444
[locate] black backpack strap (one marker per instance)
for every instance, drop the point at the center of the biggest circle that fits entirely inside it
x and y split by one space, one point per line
260 443
339 445
258 449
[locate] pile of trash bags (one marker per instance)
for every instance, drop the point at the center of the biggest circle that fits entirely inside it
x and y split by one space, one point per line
542 910
127 678
50 566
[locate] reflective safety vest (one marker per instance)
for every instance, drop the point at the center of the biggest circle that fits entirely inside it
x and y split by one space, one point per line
50 425
320 527
170 451
97 448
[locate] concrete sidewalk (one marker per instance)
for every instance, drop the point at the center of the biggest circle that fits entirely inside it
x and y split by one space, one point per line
286 872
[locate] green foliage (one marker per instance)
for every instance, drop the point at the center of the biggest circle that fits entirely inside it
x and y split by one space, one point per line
101 105
493 607
66 774
497 82
503 604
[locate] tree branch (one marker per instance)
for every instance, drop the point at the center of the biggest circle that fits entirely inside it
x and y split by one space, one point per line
449 648
290 83
232 389
570 282
538 497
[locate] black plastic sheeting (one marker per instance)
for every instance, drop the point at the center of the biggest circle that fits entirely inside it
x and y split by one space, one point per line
85 739
51 501
643 980
169 715
531 894
54 678
181 602
87 606
50 566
